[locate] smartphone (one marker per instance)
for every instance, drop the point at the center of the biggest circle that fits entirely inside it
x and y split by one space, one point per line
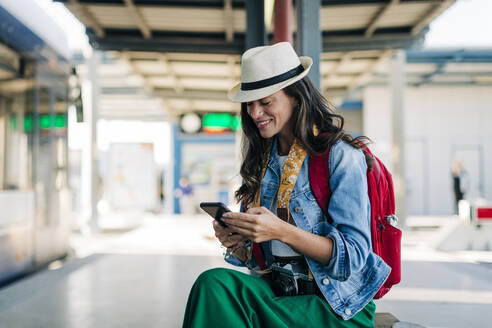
215 210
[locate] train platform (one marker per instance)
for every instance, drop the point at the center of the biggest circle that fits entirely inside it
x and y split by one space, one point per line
141 276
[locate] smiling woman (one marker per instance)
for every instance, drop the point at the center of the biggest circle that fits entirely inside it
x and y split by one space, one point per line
320 274
272 116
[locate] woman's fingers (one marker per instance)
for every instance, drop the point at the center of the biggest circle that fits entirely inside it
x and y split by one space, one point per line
237 217
257 210
227 236
238 223
248 234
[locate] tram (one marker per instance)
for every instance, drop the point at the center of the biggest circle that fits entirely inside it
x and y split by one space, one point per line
34 191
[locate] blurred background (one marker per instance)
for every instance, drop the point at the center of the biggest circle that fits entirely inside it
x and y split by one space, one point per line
115 125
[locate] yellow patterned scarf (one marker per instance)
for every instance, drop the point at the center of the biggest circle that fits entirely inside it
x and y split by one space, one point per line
295 158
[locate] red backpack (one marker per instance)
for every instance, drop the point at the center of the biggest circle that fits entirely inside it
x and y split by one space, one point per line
386 239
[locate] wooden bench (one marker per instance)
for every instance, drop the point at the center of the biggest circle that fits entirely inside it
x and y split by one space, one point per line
387 320
384 320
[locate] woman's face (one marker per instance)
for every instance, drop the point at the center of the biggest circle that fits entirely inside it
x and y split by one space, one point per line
272 114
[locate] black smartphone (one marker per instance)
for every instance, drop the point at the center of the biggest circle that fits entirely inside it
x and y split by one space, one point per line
215 210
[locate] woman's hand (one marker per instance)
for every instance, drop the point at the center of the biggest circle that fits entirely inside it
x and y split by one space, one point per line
258 224
227 236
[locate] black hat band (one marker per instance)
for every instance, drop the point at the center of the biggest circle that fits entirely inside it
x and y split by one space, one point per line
272 80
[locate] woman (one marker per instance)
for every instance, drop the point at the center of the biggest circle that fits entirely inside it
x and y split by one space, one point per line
328 266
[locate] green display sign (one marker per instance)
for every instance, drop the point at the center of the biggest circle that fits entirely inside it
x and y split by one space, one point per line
13 123
220 122
217 120
45 122
236 123
60 121
28 123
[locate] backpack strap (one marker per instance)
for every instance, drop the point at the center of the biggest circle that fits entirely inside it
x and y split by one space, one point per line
258 254
319 179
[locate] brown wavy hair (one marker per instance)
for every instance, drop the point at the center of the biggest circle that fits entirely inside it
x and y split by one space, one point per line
313 109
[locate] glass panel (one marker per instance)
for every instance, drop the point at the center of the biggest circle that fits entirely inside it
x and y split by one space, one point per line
61 143
15 167
44 160
2 140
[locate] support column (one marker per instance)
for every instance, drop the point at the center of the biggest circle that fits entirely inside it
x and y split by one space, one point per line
94 63
283 12
255 24
177 163
308 36
397 78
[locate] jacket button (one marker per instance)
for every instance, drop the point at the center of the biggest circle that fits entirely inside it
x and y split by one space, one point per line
298 209
325 281
348 312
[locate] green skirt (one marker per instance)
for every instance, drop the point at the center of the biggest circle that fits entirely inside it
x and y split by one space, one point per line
228 298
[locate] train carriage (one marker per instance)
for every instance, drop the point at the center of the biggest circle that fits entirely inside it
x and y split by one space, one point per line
34 190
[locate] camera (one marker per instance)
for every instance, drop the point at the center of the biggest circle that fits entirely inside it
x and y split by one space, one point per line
287 281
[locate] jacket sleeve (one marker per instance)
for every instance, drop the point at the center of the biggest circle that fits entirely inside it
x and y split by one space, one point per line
349 208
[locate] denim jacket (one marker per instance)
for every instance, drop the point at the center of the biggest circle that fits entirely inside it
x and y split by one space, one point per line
354 273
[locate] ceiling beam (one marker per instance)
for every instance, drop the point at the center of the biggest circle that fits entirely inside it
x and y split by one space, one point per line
90 19
192 94
346 58
365 76
182 42
142 25
187 42
431 15
231 64
375 20
375 42
228 20
178 86
148 87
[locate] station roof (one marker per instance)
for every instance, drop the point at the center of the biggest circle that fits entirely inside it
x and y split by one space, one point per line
150 85
33 37
218 26
172 57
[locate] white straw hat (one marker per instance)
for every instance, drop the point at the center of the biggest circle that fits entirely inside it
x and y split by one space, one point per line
268 69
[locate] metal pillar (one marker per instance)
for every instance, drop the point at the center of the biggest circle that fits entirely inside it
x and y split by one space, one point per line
308 36
283 12
255 24
94 63
176 166
397 78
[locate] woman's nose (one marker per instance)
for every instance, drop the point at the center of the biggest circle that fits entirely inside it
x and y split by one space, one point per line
255 110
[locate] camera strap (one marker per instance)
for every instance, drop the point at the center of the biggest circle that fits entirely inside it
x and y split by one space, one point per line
295 158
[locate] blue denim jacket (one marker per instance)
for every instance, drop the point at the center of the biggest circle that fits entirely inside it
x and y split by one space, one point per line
354 273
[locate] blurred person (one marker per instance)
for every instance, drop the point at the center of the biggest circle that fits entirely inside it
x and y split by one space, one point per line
459 176
185 195
338 272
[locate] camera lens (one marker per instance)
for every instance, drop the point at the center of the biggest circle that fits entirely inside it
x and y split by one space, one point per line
284 286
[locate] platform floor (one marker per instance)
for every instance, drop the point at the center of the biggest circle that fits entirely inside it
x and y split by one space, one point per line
141 278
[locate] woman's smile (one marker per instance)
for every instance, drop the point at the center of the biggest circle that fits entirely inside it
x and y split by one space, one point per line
263 124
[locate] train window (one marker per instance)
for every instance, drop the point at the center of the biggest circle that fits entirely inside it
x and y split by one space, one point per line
45 158
15 120
61 144
2 143
15 174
